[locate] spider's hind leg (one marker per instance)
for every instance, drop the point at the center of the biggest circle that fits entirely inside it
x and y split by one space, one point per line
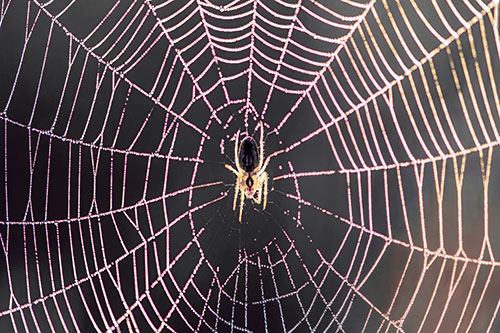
264 181
236 192
259 196
242 202
230 168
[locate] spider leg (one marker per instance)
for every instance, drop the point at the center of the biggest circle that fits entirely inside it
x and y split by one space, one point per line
231 169
264 181
236 147
266 162
236 192
259 194
261 144
242 202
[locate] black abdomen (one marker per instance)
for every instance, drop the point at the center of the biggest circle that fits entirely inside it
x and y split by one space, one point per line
249 155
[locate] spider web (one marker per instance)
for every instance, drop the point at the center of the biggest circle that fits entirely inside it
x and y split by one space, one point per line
117 119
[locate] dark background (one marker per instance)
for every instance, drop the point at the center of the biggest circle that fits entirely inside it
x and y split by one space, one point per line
116 207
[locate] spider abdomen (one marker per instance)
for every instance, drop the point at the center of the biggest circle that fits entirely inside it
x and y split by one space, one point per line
249 155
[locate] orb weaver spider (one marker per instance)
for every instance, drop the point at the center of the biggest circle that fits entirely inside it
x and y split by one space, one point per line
252 179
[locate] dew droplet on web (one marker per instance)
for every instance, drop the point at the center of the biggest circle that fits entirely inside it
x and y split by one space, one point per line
222 146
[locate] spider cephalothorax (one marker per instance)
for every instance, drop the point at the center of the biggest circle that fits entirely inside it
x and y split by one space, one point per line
251 182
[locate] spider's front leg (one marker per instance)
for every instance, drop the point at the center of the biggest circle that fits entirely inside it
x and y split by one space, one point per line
261 146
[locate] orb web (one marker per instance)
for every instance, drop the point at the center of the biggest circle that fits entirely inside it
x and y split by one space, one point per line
117 119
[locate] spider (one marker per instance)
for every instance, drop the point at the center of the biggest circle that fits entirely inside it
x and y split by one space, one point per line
252 179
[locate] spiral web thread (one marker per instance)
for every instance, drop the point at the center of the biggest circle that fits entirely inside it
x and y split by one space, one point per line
416 137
